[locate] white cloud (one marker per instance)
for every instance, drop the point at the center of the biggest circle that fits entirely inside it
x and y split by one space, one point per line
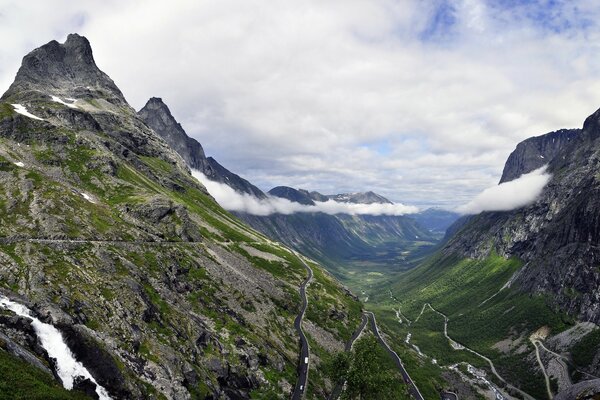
232 200
270 87
509 195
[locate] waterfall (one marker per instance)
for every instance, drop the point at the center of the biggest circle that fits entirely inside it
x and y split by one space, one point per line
67 367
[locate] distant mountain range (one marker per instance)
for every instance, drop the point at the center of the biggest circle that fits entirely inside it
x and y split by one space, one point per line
335 240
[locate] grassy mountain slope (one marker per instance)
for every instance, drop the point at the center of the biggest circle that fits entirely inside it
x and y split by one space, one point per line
103 231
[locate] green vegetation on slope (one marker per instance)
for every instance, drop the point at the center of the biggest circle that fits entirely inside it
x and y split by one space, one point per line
481 314
368 371
21 381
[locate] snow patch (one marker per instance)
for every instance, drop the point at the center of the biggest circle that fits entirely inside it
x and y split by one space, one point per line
67 367
58 100
20 109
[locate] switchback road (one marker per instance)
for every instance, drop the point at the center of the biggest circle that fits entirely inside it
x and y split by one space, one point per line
300 388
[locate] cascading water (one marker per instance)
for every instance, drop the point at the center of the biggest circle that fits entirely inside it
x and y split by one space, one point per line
67 367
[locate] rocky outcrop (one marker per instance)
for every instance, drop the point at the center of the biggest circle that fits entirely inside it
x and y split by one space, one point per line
55 66
581 391
158 116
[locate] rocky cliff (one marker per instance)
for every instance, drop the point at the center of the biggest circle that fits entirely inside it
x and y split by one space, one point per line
557 236
536 152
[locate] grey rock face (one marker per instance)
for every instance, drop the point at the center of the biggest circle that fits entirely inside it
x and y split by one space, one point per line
557 236
56 66
158 116
582 390
535 152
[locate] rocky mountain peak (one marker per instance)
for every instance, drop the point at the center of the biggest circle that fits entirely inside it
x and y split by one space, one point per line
158 116
295 195
360 198
63 69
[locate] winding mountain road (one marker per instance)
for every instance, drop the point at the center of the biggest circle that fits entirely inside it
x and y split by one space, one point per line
337 390
11 240
412 388
300 388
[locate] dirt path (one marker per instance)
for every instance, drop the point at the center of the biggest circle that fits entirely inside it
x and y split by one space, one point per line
542 367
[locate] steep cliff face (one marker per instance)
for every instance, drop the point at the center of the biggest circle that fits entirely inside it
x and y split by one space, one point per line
557 236
158 116
536 152
523 275
105 234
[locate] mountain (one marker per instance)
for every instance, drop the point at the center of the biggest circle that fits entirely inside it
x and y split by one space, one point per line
294 195
519 282
350 246
305 197
360 198
156 290
158 117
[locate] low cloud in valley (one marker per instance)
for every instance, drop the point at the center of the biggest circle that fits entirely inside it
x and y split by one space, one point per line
509 195
235 201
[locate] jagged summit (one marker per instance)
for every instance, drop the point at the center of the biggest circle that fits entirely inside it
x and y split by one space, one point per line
303 196
158 117
63 69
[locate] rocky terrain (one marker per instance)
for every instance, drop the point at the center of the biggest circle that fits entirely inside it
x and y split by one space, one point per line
104 233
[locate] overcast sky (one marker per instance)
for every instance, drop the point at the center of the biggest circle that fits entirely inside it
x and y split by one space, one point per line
421 101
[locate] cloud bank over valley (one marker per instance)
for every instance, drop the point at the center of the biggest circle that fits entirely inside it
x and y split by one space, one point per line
232 200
